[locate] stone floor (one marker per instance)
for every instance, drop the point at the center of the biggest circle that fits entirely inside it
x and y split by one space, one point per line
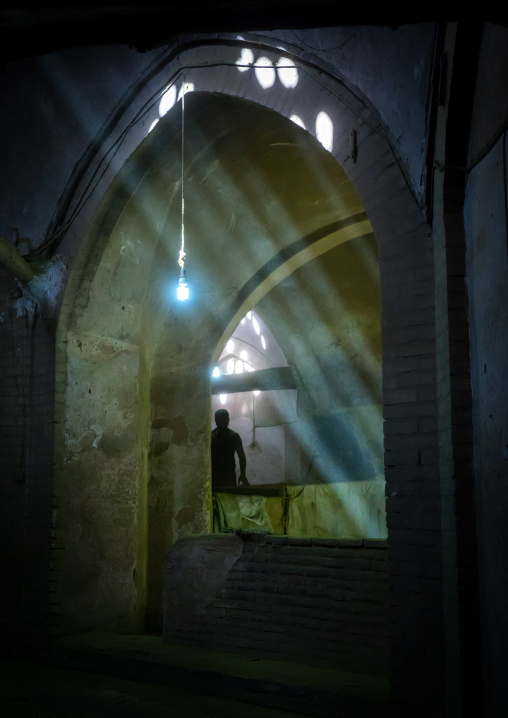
104 674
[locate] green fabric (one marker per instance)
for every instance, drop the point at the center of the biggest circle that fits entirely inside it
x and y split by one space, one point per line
254 513
342 510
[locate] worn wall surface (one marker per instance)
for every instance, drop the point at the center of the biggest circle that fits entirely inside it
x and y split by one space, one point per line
101 486
486 226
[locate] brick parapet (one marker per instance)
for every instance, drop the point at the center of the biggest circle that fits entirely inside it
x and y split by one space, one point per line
334 591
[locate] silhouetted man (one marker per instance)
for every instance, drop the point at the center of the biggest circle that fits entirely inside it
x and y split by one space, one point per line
225 443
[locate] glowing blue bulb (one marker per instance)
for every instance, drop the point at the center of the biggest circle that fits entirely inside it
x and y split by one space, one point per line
182 291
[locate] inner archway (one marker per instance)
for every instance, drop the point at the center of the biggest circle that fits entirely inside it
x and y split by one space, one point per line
265 203
320 456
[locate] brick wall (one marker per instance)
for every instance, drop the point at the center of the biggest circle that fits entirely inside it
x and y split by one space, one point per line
322 601
26 459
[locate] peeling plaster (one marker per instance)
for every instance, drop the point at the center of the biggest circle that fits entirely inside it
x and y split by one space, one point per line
158 447
185 516
99 430
42 290
180 430
129 251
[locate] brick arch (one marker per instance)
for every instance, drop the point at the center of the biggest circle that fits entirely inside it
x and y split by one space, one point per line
210 66
368 159
406 268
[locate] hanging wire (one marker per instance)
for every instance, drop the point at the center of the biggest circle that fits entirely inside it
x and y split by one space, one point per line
61 226
181 258
306 65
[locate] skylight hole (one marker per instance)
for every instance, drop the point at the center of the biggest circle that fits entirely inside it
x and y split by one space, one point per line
287 72
324 130
265 72
245 60
168 99
298 121
185 88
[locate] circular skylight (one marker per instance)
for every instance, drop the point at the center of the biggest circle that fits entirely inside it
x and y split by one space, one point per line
246 59
287 72
265 72
324 130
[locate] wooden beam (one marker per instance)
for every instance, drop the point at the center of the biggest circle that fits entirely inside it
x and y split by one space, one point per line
262 380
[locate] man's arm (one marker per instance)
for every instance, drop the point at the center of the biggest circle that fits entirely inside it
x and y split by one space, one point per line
242 479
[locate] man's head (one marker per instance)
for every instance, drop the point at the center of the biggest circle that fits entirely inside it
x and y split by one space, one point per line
222 418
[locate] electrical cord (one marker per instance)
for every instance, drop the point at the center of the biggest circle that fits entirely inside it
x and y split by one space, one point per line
325 49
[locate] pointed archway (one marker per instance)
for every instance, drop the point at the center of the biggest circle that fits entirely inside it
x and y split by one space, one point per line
263 199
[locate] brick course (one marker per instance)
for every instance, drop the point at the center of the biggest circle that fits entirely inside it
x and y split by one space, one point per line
314 600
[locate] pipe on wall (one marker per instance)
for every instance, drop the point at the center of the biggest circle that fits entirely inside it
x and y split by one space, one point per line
13 260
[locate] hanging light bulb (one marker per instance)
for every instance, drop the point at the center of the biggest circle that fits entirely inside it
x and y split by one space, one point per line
182 291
